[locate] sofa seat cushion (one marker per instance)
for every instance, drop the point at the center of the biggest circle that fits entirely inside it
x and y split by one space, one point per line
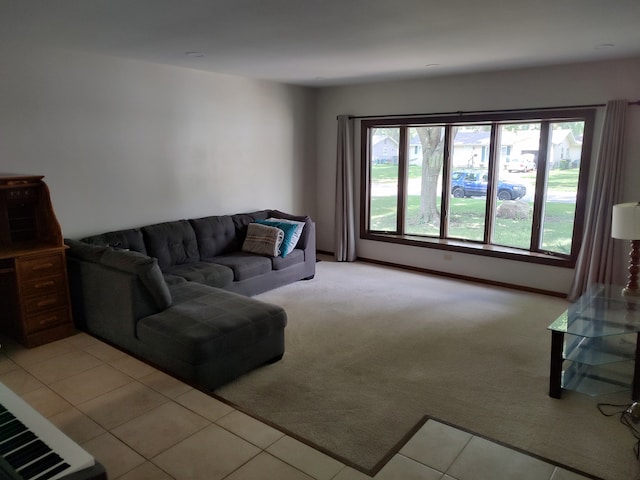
185 291
280 263
244 265
202 272
211 326
173 279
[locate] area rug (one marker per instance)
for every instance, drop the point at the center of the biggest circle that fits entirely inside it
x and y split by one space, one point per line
371 350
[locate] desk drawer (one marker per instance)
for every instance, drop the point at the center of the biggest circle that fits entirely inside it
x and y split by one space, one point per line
48 319
39 286
33 305
41 266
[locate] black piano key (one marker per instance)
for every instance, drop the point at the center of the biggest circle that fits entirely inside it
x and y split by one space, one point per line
5 417
15 442
27 454
11 429
41 465
53 471
32 458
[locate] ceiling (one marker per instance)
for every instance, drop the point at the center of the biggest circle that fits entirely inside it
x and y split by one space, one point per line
332 42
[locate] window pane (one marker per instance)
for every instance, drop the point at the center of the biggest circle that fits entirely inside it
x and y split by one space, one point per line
536 203
426 157
565 151
512 224
470 159
383 212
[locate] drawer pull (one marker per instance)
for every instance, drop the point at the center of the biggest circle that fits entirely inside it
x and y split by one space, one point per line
44 303
42 266
48 320
48 283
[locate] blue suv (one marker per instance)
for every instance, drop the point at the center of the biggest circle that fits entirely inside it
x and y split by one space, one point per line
474 184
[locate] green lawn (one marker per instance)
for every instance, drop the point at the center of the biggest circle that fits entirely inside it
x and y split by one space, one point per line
467 215
389 173
558 179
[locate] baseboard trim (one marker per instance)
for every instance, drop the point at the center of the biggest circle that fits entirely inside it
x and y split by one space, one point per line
465 278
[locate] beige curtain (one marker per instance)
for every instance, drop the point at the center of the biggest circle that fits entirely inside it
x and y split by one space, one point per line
345 236
595 260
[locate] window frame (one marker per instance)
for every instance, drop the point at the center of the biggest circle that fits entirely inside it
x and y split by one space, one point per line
533 255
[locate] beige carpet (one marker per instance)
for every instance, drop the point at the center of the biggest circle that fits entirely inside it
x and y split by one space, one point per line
371 350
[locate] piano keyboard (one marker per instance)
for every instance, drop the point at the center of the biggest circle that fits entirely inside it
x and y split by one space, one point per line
33 447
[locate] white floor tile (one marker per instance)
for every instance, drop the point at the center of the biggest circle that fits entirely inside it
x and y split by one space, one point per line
485 460
436 445
348 473
401 467
210 454
250 429
265 465
113 388
305 458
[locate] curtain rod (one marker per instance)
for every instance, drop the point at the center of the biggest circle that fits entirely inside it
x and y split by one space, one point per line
474 112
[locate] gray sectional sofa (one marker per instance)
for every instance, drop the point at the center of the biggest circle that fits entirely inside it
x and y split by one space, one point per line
178 293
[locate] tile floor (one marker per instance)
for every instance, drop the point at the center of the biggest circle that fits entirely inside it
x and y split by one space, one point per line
142 424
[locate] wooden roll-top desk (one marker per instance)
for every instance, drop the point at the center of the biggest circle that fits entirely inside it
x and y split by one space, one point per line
34 292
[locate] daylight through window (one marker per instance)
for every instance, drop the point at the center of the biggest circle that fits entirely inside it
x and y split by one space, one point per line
503 184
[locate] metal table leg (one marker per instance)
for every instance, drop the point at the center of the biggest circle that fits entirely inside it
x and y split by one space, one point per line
555 374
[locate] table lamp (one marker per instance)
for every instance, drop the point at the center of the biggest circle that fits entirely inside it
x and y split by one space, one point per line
625 225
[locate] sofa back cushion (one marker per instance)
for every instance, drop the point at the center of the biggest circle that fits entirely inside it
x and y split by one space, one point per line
172 243
129 239
85 251
242 220
216 235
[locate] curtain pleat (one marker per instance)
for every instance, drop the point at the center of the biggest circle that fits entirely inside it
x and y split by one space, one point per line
345 239
595 259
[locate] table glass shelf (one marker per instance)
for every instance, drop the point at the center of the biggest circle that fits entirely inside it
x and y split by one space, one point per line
599 350
598 380
594 343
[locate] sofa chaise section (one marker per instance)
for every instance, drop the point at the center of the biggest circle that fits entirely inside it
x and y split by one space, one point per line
215 337
199 333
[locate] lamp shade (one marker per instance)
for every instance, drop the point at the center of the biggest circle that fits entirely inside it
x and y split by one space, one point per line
625 221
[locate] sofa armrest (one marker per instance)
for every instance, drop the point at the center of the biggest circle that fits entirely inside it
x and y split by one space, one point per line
144 267
307 241
112 289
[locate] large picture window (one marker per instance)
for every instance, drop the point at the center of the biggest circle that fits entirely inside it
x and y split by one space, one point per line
504 184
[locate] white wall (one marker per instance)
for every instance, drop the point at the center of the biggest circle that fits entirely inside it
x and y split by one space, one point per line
124 143
580 84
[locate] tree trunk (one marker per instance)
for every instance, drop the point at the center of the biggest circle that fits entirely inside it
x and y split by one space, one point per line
432 140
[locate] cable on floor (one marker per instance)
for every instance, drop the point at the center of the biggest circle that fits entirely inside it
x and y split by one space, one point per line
629 417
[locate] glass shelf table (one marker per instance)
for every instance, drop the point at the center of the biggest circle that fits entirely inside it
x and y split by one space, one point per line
595 344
